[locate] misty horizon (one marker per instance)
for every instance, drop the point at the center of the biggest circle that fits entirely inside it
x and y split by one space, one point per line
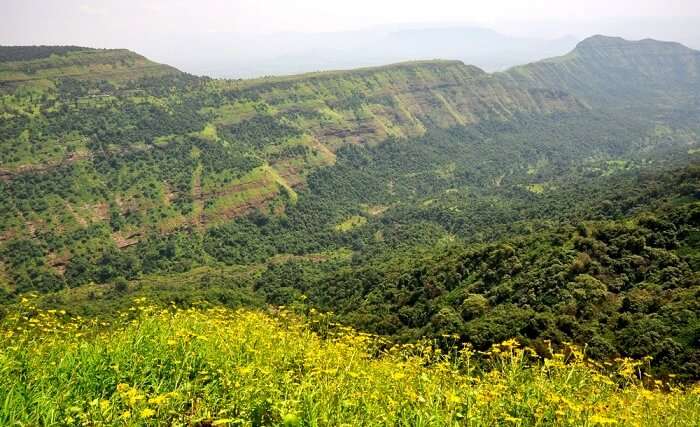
246 40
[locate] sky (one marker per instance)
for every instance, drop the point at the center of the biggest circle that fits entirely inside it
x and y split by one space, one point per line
115 22
146 26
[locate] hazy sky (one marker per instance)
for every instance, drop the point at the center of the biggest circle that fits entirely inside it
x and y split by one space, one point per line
196 35
121 22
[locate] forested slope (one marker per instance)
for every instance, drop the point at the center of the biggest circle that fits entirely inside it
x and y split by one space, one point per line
103 149
555 201
612 73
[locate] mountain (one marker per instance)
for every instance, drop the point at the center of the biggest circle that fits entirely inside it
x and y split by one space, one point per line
401 99
269 133
483 47
40 65
612 72
553 201
291 53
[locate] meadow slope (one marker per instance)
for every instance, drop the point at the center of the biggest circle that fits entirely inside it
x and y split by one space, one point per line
208 367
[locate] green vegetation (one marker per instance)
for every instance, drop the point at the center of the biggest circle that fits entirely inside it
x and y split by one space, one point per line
417 201
219 367
38 67
645 77
350 223
28 53
617 286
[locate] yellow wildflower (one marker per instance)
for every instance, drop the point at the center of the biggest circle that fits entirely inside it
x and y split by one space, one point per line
601 420
398 376
147 413
159 400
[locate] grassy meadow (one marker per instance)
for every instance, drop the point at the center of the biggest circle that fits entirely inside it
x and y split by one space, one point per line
207 367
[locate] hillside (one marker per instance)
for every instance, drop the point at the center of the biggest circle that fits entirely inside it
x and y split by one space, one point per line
228 147
39 66
556 201
400 100
611 72
218 367
28 53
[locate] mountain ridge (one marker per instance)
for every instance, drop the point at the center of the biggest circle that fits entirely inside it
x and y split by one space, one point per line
290 126
277 131
235 147
52 62
615 73
591 42
601 40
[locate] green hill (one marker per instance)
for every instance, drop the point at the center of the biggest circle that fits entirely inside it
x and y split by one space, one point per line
126 137
40 67
28 53
611 72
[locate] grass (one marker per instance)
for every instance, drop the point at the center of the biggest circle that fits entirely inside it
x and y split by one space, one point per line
5 283
231 286
232 113
536 188
350 223
209 132
239 203
374 210
342 254
293 196
224 367
258 186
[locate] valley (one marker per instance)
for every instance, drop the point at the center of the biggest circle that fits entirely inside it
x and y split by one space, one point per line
422 203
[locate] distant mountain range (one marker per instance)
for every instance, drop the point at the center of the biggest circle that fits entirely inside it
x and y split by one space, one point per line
235 56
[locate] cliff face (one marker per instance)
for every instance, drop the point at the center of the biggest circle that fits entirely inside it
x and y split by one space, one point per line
169 151
372 104
612 72
118 143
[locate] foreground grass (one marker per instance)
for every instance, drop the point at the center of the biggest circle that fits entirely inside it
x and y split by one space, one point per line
224 367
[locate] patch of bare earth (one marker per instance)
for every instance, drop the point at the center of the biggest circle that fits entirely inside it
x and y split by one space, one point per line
250 205
124 241
58 262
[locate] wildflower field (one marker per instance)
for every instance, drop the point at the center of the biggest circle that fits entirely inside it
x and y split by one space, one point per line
209 367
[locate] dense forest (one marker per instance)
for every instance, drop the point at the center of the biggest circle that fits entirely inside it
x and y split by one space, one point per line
27 53
425 199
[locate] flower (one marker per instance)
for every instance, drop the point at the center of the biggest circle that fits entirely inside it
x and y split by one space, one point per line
159 400
453 398
599 419
147 413
398 376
